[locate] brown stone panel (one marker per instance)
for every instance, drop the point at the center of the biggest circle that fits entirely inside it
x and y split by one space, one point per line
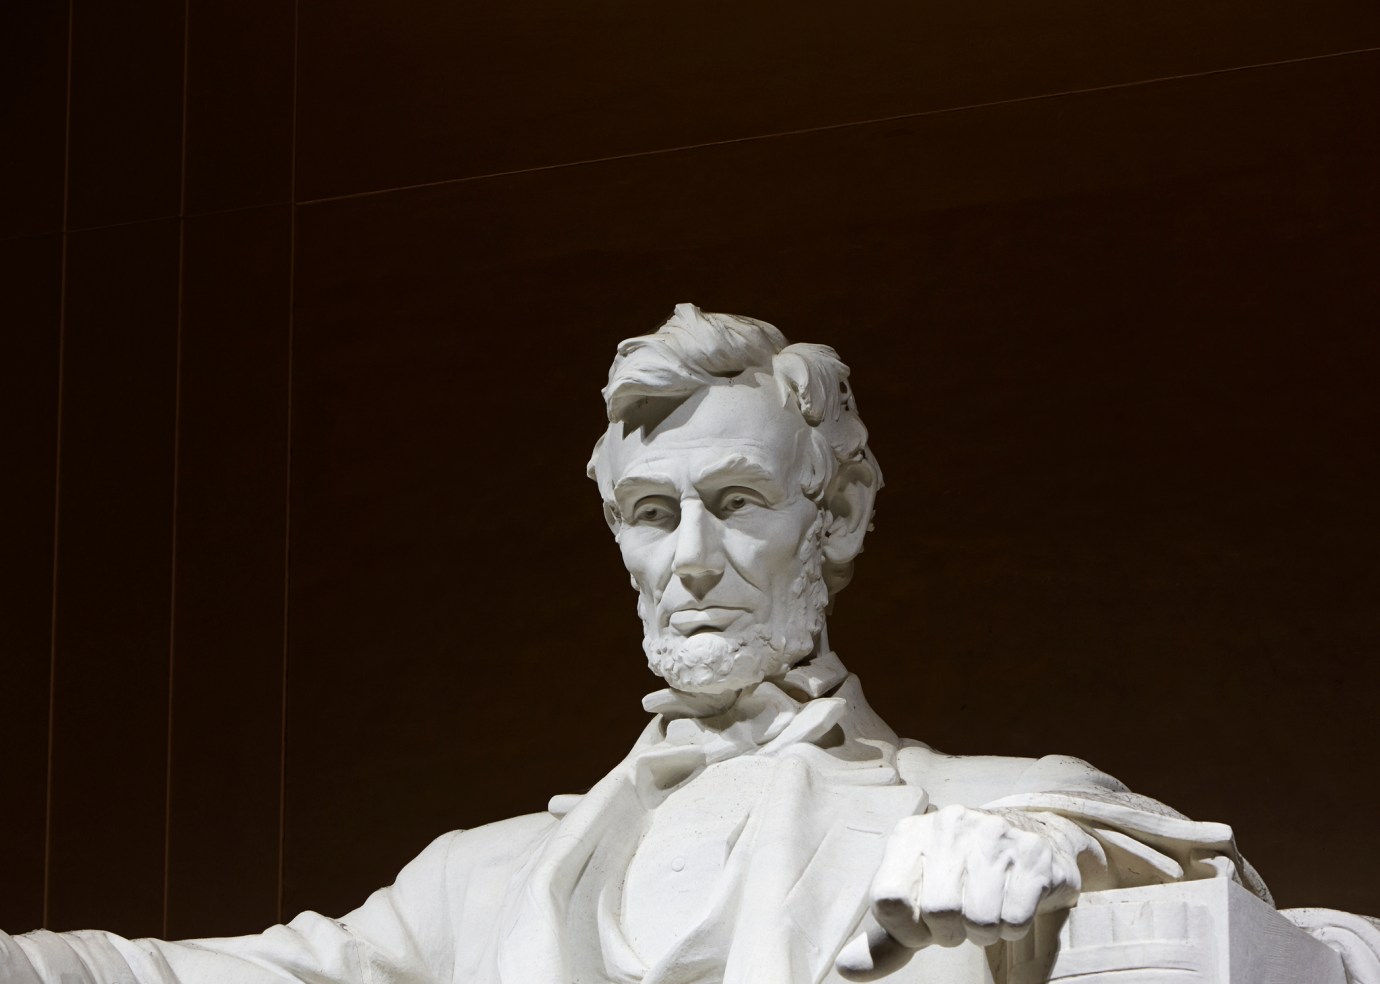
228 620
30 285
1117 357
239 103
114 580
126 126
399 93
33 116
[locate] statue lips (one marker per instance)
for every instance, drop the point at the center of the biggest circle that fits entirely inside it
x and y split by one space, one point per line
688 621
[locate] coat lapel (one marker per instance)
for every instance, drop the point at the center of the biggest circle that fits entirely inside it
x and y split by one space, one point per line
796 882
607 820
829 899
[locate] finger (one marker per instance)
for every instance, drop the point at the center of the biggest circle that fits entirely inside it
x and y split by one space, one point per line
1025 888
901 920
941 903
984 891
872 955
1066 881
946 926
939 892
988 867
895 886
901 857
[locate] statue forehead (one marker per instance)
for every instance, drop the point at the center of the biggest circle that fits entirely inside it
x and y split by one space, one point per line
746 414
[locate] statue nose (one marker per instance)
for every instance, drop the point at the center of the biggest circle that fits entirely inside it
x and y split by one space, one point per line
698 560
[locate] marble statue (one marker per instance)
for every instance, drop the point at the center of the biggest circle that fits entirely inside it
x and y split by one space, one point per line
767 827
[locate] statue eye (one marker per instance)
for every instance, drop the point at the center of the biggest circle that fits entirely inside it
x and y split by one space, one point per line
654 512
736 500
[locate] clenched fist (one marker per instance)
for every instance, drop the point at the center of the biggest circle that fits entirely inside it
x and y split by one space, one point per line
962 874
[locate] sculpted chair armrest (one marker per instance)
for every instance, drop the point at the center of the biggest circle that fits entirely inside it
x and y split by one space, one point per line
1209 931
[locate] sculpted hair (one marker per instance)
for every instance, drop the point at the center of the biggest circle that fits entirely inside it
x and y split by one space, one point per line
694 348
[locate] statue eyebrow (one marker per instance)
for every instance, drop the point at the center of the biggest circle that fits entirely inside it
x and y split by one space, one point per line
629 483
736 466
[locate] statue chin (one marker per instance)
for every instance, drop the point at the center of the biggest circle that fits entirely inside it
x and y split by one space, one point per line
711 663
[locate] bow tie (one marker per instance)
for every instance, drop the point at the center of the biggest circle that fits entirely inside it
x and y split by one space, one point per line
763 720
698 730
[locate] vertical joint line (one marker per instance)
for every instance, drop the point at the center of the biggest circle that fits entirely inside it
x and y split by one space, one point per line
287 479
57 483
176 470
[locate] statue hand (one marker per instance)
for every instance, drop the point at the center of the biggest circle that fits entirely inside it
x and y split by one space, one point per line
963 874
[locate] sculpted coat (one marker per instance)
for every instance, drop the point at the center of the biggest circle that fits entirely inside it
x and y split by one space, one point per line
539 897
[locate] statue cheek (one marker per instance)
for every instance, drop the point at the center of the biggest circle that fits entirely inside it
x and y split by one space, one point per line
647 560
633 545
761 544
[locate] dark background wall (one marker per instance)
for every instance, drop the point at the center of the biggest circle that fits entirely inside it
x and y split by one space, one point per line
304 316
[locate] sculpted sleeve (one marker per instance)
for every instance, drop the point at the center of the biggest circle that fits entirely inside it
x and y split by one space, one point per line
403 934
1145 841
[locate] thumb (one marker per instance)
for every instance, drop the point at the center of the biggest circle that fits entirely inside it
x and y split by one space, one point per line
872 955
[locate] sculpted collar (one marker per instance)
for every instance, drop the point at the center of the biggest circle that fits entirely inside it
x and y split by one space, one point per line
763 720
816 708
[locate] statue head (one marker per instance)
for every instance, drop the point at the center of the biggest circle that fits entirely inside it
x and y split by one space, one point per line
737 481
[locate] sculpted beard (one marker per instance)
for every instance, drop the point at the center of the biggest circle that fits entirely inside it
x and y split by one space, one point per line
715 662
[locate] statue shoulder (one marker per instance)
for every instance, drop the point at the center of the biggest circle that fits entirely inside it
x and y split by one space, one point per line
503 841
459 854
974 780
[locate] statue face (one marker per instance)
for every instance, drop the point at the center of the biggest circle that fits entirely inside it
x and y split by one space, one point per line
722 544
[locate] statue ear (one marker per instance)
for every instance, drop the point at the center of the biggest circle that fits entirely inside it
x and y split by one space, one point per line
849 500
612 518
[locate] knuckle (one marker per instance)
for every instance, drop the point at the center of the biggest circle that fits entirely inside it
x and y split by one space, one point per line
1035 854
950 817
901 921
888 889
946 927
1028 840
982 933
944 919
892 909
1015 930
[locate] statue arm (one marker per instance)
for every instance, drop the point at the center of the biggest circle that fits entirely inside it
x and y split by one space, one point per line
402 934
1012 838
1144 841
